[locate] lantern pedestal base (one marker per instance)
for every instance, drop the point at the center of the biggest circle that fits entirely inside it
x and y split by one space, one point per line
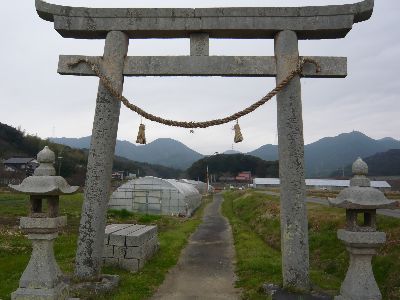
59 292
360 283
42 278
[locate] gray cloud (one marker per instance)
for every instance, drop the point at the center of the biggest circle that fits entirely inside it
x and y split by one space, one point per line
35 97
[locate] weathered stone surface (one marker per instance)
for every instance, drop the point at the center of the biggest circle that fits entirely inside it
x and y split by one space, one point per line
294 231
238 66
113 228
42 270
44 181
111 261
60 291
333 21
100 159
118 238
199 44
42 278
130 264
139 237
135 252
362 239
130 246
43 223
359 283
119 251
86 289
108 251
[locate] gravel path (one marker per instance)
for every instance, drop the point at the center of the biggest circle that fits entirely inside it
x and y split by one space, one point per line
205 269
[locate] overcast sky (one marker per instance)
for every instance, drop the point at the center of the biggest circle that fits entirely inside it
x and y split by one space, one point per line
34 97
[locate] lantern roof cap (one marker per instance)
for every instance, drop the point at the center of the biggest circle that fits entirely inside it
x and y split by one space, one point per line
44 181
360 195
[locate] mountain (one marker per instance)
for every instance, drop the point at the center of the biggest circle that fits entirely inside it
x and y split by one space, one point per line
380 164
321 157
332 153
384 163
266 152
229 165
166 152
232 152
73 165
78 143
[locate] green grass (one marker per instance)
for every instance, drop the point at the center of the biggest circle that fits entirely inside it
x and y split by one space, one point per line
255 224
15 249
256 261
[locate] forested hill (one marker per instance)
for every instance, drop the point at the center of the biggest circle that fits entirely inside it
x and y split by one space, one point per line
231 164
384 163
380 164
14 142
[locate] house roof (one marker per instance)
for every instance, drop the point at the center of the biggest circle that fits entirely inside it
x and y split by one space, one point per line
18 160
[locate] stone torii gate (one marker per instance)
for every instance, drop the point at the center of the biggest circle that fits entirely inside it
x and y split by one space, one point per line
285 25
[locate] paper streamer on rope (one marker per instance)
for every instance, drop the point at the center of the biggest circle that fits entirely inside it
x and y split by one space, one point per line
238 134
141 137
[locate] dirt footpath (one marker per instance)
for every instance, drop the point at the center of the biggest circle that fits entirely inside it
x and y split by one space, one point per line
205 269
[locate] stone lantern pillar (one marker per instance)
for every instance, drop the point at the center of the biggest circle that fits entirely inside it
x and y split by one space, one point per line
360 235
42 278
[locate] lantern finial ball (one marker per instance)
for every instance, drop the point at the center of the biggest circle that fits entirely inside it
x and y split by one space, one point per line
360 167
46 156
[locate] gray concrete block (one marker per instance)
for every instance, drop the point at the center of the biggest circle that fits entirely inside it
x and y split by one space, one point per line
131 264
108 251
118 238
113 262
139 237
135 252
119 251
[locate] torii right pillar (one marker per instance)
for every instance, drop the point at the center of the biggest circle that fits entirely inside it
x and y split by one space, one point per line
294 225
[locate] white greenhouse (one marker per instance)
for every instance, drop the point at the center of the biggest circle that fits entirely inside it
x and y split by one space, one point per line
199 185
154 195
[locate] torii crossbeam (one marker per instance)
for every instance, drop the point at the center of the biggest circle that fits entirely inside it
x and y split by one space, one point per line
286 25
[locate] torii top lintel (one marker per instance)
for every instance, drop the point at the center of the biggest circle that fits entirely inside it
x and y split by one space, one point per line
311 22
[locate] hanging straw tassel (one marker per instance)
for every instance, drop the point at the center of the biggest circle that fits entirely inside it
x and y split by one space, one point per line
141 137
238 134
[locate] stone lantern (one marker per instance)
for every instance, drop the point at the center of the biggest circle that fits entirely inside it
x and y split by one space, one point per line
360 235
42 278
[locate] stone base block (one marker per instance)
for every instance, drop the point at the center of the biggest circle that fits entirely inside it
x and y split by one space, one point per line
88 289
129 246
129 264
60 292
277 293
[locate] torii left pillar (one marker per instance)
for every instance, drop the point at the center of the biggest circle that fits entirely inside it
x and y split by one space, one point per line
100 160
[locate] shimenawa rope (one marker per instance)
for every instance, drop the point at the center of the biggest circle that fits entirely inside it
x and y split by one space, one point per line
204 124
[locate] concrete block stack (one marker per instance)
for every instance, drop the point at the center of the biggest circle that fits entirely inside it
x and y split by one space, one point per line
129 246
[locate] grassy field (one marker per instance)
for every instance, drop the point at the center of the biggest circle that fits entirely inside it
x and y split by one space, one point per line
15 249
255 224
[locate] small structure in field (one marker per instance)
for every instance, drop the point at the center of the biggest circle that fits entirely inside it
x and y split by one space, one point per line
361 238
154 195
42 278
